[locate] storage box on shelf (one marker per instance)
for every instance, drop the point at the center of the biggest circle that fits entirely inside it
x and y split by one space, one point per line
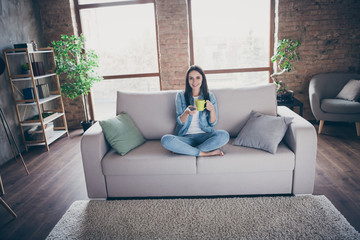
37 96
36 133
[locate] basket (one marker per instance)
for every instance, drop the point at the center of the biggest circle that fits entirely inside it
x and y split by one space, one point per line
36 133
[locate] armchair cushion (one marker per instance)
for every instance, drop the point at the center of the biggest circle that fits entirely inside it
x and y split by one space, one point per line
340 106
351 91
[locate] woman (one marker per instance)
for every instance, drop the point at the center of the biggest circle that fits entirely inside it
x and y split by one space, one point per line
194 133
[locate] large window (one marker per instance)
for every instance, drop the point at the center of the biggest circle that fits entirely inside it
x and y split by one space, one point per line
123 33
231 40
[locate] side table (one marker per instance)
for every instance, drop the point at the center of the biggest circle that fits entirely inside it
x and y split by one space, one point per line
291 104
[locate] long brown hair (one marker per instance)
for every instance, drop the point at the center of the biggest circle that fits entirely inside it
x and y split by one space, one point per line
203 89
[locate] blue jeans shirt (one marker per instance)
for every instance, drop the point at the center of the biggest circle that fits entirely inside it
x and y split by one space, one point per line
204 116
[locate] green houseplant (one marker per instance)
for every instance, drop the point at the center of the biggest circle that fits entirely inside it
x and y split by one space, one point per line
78 66
24 68
284 56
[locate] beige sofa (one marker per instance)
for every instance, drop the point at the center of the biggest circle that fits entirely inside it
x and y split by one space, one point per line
150 170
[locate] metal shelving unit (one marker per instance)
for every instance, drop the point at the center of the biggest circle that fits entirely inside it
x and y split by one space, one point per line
51 105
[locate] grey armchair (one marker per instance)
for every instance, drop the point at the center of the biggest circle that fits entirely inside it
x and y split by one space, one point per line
323 90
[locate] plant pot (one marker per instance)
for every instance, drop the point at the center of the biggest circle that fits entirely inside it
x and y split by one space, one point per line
25 72
285 97
86 125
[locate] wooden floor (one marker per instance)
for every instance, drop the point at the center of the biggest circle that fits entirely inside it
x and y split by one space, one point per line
57 179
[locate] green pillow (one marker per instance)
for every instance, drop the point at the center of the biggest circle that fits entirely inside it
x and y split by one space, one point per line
121 133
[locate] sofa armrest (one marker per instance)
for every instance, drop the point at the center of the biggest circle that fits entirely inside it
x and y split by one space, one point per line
301 137
315 100
93 149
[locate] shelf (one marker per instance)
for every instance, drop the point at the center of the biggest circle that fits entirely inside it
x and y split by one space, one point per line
22 51
17 78
52 117
46 120
37 105
42 51
41 100
57 134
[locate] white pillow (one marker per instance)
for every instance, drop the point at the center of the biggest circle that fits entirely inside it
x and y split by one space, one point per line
351 91
263 132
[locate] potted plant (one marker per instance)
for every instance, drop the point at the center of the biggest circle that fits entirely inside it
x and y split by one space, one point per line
25 68
78 66
284 55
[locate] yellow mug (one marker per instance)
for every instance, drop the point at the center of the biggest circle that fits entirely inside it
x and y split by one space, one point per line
200 104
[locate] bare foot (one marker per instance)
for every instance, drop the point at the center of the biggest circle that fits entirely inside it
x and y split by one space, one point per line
216 152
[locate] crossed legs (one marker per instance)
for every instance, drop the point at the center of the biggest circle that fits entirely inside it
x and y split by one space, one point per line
202 144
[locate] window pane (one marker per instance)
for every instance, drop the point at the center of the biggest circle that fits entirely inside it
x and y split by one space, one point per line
233 80
231 33
104 93
124 38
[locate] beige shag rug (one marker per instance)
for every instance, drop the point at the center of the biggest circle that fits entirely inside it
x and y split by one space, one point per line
285 217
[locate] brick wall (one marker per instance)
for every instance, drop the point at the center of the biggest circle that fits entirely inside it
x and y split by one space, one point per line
57 18
329 31
173 42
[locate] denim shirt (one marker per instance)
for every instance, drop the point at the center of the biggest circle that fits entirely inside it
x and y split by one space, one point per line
204 116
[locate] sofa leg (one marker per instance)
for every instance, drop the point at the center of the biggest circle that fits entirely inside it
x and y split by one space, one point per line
357 124
321 126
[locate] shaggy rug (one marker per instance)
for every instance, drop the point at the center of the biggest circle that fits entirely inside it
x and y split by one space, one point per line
293 217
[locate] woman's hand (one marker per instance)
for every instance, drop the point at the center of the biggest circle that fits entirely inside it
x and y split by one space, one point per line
209 106
191 110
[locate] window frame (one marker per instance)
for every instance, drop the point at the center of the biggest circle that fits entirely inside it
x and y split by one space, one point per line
78 7
236 70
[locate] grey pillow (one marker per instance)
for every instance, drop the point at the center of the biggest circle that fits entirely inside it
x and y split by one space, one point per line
263 132
351 91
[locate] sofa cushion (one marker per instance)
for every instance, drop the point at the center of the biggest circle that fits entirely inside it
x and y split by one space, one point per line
351 91
153 112
242 159
121 133
235 105
148 159
335 105
263 132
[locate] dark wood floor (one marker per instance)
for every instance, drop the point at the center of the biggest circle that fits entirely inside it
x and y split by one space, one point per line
57 179
338 169
40 199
